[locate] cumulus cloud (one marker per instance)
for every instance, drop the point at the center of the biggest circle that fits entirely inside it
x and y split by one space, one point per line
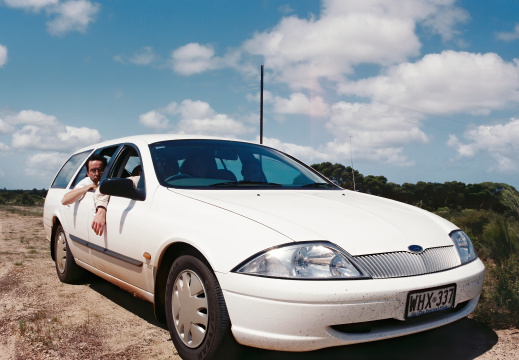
144 56
194 117
299 103
446 83
378 131
3 55
4 149
66 16
35 130
306 154
509 36
500 141
31 5
74 15
195 58
301 52
44 165
154 119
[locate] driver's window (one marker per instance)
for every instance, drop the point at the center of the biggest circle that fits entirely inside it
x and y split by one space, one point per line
107 153
129 165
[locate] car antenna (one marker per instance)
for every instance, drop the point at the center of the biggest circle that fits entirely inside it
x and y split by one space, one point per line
352 171
261 106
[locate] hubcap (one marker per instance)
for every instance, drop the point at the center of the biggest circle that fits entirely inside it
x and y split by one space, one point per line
190 310
61 252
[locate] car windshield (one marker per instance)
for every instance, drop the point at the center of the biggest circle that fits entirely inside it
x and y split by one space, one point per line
218 164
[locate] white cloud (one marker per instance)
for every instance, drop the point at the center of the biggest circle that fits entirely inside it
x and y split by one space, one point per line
5 127
31 5
34 117
298 103
154 119
44 165
59 137
307 154
66 16
3 55
35 130
4 149
377 131
198 117
73 15
349 33
443 18
509 36
193 59
500 141
144 56
446 83
193 117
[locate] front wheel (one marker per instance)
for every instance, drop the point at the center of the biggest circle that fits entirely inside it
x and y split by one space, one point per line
196 313
67 269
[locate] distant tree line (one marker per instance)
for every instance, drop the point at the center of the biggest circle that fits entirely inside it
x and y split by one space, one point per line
427 195
32 197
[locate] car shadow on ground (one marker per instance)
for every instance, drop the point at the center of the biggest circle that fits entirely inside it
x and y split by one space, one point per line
462 340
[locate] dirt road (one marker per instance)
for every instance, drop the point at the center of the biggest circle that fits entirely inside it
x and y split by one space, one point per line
41 318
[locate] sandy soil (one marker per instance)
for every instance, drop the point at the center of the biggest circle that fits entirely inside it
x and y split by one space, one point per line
41 318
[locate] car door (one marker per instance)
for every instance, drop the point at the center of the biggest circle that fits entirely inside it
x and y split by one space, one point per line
77 217
119 250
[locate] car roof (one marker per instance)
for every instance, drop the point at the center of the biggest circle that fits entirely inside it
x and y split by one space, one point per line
153 138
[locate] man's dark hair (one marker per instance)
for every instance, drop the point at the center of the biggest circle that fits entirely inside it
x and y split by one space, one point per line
96 157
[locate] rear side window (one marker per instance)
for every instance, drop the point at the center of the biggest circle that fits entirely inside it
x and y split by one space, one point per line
68 170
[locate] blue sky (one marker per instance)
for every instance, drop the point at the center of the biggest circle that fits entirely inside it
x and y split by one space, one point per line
422 90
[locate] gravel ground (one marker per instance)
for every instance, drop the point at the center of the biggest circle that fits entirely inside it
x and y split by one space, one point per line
41 318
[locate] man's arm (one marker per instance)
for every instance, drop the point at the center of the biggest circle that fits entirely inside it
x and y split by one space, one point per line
74 195
100 203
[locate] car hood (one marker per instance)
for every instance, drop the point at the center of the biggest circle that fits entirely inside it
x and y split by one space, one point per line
359 223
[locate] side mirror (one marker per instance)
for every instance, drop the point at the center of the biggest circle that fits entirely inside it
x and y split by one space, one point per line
121 187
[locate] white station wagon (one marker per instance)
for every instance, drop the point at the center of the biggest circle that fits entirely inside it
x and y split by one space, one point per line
232 240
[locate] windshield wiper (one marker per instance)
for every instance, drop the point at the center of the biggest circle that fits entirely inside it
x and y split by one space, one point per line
245 183
318 185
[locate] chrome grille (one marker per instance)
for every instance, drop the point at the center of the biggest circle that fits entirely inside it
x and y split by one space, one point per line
399 264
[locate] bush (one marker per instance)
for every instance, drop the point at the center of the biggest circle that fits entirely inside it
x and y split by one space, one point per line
499 240
499 303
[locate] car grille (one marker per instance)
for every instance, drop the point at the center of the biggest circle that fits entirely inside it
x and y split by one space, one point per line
399 264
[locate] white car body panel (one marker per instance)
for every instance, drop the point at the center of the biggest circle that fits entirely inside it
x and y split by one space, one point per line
229 226
342 217
296 317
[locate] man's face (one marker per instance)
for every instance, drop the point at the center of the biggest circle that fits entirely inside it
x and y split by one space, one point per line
95 170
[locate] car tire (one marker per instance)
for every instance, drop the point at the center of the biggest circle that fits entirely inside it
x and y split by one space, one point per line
196 313
67 269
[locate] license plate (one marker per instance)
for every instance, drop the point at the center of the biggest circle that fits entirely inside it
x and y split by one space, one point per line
426 301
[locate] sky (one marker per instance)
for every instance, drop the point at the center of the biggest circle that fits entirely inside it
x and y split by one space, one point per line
415 90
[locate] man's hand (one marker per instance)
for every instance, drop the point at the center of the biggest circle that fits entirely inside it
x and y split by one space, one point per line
99 222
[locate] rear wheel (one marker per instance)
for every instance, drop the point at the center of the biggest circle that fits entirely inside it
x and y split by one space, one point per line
66 267
196 313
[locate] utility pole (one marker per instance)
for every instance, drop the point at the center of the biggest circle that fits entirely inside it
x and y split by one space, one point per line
261 107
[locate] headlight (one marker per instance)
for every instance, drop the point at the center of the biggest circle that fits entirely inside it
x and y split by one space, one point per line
464 246
316 260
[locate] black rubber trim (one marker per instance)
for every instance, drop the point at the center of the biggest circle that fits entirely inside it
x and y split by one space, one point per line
105 251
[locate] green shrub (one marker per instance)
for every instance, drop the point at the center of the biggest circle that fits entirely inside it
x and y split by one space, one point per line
499 303
499 240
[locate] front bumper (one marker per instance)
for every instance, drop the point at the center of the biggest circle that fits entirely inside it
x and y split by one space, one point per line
298 315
